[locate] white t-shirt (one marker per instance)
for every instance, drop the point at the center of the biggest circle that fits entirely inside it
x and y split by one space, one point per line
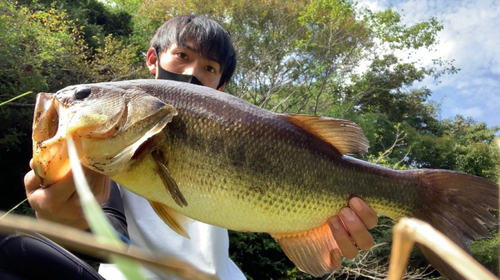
207 250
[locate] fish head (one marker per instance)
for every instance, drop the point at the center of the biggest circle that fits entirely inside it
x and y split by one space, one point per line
107 123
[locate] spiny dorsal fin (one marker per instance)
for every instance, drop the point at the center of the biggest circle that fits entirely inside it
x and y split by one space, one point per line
168 180
346 136
175 220
314 251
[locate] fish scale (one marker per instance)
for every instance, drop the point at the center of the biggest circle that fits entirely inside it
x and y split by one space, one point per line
321 183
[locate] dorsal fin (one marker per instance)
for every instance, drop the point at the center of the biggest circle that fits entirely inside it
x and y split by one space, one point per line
346 136
175 220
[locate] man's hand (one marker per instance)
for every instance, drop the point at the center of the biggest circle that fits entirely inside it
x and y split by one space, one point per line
350 227
59 201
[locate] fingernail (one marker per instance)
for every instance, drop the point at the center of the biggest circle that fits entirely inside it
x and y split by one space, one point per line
347 213
356 204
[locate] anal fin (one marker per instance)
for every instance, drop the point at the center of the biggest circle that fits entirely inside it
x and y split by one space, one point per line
314 251
175 220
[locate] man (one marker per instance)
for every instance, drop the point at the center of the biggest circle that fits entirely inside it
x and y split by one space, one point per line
198 50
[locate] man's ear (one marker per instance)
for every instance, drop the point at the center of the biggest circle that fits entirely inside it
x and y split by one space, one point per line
221 88
151 60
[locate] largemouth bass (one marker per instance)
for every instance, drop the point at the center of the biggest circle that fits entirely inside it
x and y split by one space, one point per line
200 153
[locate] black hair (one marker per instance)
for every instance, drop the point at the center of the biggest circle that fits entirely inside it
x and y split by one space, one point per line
205 35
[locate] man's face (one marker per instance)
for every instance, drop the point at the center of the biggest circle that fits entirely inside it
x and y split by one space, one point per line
185 61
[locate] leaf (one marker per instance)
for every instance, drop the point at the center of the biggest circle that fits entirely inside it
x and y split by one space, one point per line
96 219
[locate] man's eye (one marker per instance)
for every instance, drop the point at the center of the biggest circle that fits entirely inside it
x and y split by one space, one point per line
182 55
210 69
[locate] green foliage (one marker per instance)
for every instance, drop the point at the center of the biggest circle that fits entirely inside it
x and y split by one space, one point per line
259 256
45 49
486 251
113 62
41 54
96 19
387 25
459 144
38 53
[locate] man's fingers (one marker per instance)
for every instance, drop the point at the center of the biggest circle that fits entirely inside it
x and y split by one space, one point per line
61 190
52 199
344 241
99 185
59 202
356 228
364 212
30 182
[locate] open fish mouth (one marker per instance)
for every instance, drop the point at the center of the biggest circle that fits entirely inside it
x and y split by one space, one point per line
106 135
49 142
46 118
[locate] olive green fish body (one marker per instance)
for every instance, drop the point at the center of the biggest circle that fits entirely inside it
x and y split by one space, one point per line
256 171
218 159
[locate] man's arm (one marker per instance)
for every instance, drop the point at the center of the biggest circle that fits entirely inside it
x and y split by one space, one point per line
59 203
114 211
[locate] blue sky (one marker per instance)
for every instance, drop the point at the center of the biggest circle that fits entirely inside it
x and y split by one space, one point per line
471 37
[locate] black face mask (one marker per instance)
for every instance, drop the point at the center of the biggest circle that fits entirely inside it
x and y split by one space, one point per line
167 75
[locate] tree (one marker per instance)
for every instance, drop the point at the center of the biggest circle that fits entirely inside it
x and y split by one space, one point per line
43 50
39 52
95 19
460 144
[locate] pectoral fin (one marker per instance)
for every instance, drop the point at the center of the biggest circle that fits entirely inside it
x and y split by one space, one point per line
167 179
175 220
346 136
314 251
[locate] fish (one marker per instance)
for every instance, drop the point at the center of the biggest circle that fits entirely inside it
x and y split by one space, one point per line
198 153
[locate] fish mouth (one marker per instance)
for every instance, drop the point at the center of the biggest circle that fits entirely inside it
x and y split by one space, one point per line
45 127
53 123
46 118
105 141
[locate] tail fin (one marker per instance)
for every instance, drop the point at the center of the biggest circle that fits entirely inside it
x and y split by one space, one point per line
456 204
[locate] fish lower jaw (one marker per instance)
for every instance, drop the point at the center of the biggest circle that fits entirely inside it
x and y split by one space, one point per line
51 162
48 174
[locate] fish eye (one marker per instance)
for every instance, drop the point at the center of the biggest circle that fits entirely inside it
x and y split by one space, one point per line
82 93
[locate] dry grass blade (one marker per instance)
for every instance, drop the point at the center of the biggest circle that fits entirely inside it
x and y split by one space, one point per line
409 230
86 243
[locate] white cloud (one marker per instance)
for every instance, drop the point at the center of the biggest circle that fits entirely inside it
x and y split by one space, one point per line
374 5
474 112
471 38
